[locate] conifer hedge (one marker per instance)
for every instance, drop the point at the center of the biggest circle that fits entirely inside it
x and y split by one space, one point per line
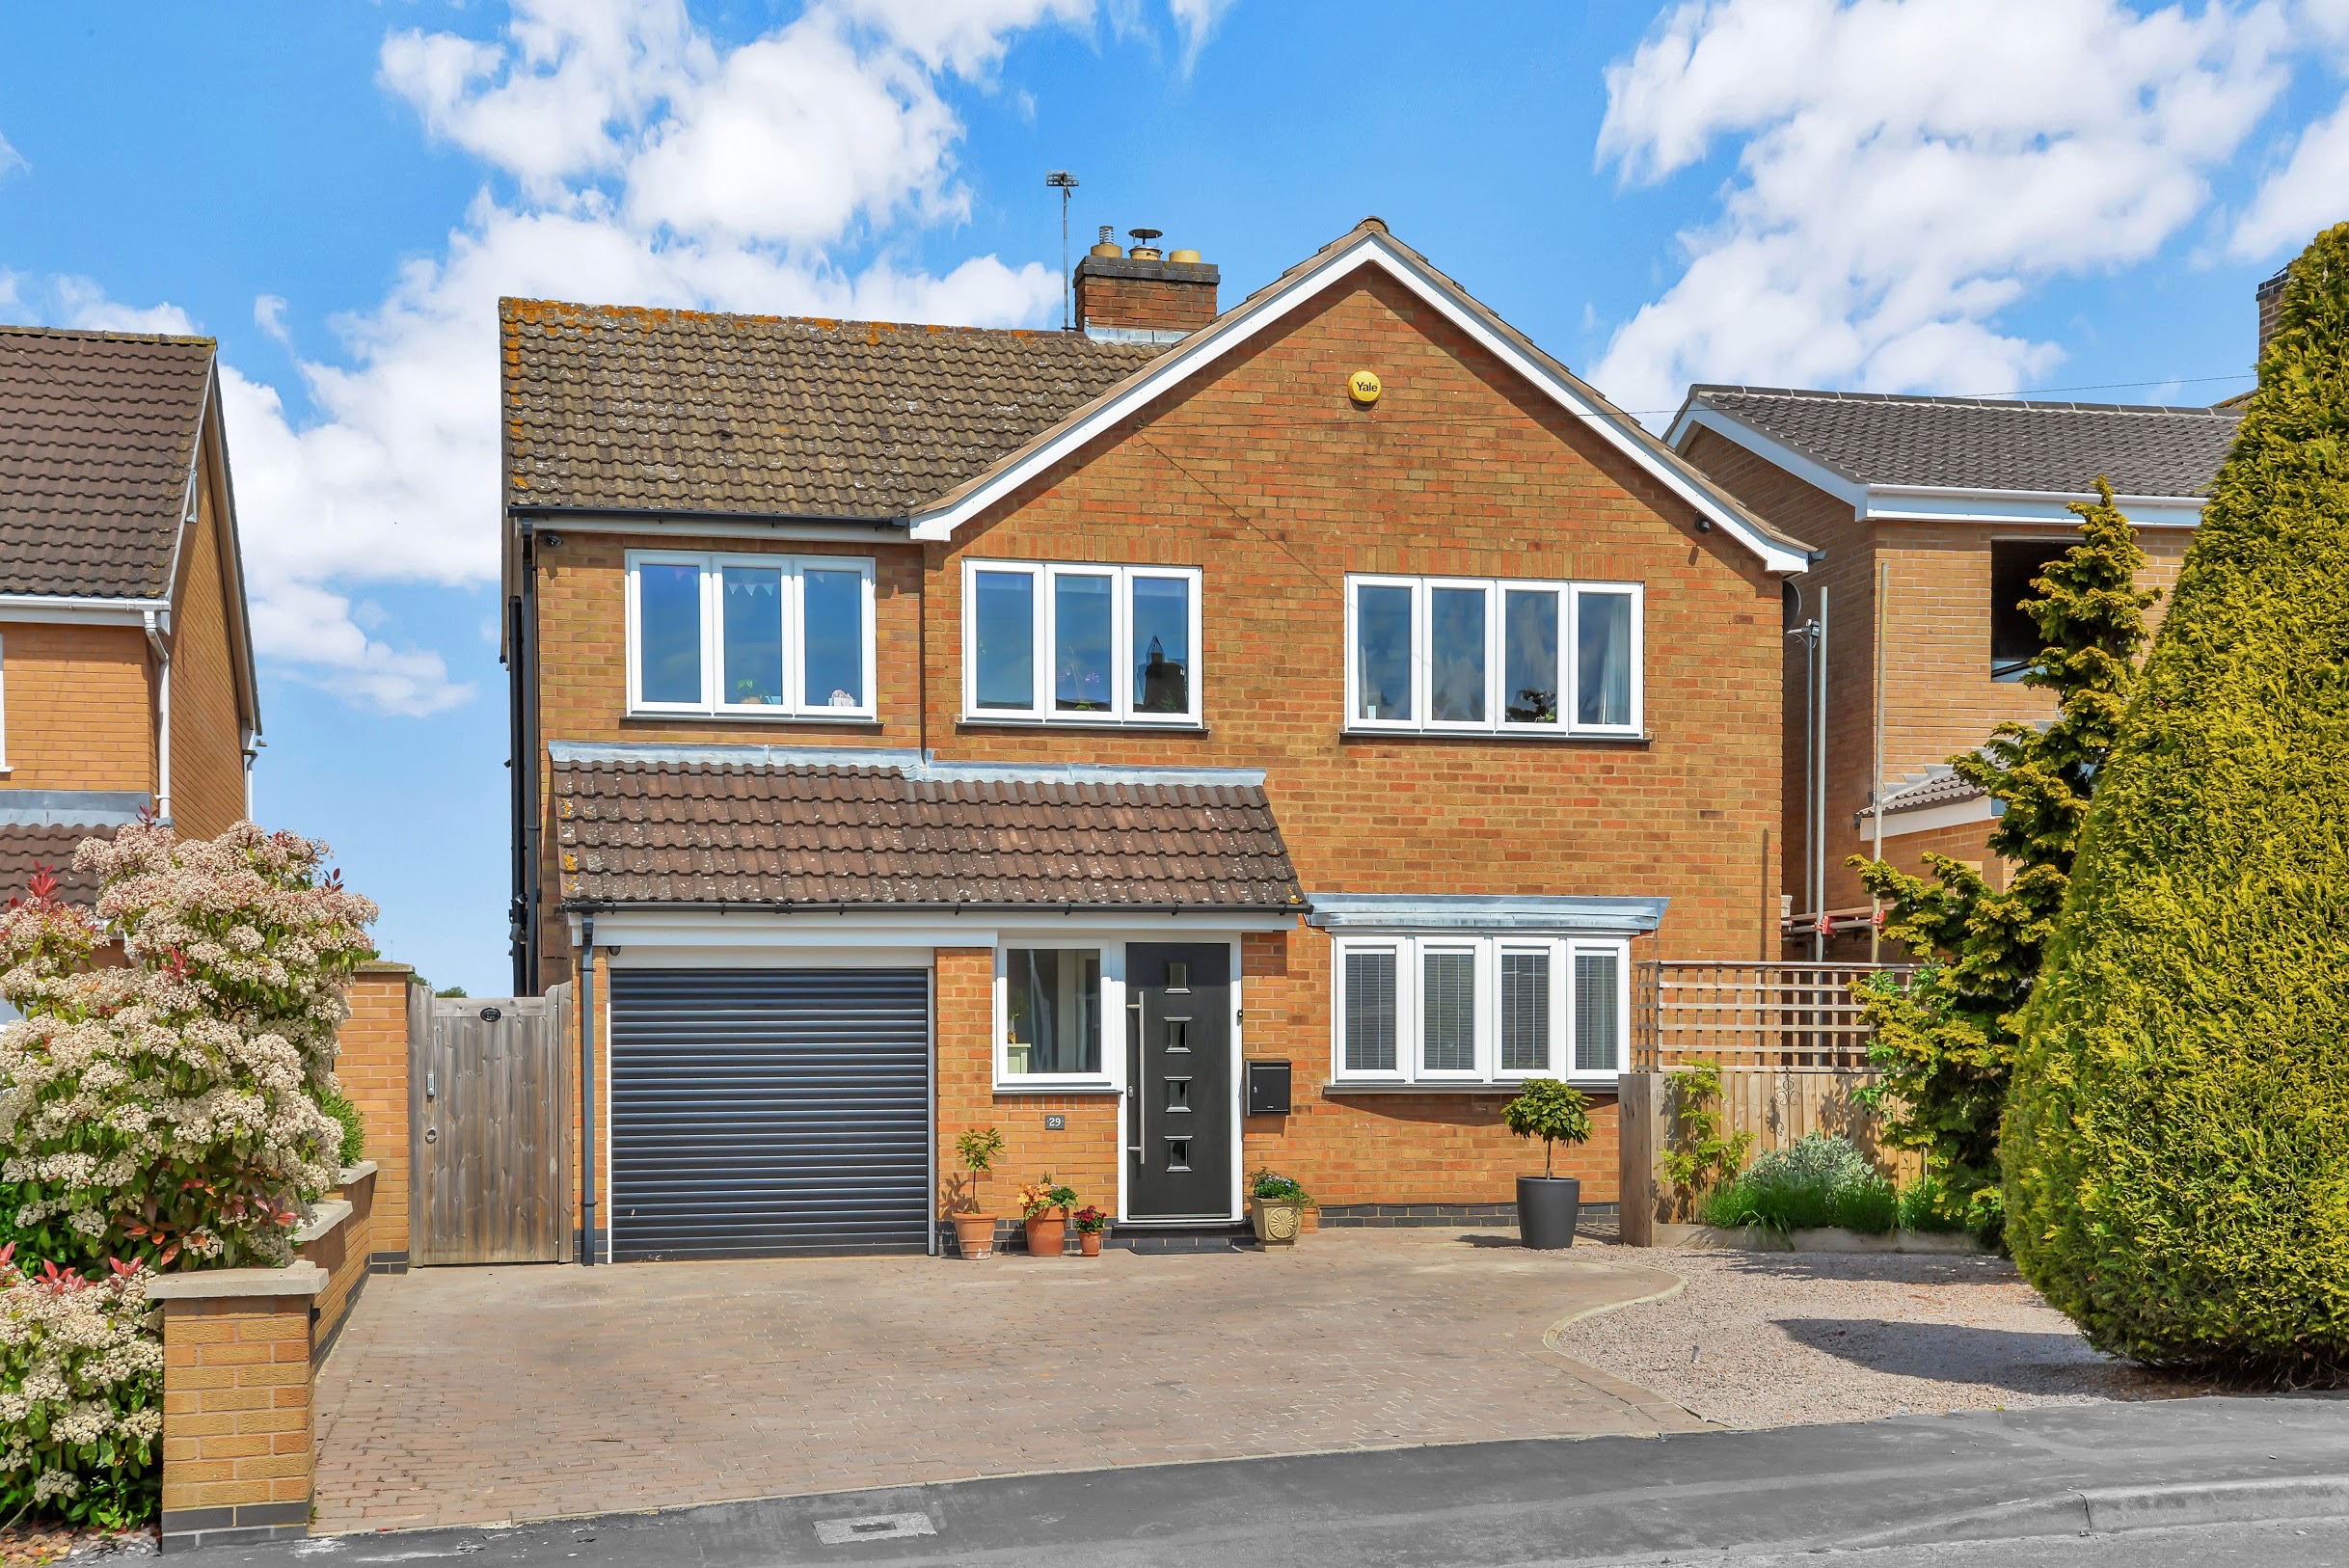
2176 1148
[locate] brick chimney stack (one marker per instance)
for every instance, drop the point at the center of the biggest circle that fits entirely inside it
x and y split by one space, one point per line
1144 295
2271 305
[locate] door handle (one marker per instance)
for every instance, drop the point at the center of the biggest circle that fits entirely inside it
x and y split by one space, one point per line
431 1079
1134 1094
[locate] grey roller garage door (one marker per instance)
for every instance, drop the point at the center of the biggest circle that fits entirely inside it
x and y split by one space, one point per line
757 1111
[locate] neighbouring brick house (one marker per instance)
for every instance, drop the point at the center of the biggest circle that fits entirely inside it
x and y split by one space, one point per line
126 676
923 728
1933 515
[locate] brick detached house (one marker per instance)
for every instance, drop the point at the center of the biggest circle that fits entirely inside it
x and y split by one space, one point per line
126 676
1195 742
1931 515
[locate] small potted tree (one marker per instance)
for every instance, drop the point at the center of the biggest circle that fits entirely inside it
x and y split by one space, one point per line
1090 1222
974 1227
1276 1208
1547 1205
1044 1206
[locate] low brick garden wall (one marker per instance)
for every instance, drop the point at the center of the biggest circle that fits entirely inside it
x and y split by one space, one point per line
240 1350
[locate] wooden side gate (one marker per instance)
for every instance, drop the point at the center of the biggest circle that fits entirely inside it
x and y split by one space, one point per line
489 1092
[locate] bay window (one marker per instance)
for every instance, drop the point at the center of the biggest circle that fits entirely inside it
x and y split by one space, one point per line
760 637
1520 658
1080 645
1461 1010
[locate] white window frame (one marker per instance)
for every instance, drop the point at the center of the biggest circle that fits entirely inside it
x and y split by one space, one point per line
712 565
1409 948
1481 1025
1112 1018
1496 722
1043 576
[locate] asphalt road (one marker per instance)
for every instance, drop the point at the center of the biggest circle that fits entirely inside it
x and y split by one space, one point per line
2221 1480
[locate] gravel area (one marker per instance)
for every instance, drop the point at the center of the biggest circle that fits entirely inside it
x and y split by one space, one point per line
1784 1339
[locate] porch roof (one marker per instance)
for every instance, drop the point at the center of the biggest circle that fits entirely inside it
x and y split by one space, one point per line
642 826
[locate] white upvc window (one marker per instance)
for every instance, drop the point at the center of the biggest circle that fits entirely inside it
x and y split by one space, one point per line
1045 642
1464 1010
1434 655
751 636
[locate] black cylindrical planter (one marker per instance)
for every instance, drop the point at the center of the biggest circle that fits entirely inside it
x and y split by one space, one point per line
1547 1209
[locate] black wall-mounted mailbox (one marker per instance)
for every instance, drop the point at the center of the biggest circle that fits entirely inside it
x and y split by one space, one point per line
1267 1088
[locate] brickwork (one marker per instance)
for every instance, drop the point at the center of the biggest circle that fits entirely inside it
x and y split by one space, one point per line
1152 295
237 1450
1085 1155
80 710
342 1251
1939 698
372 1064
1268 477
1969 842
207 741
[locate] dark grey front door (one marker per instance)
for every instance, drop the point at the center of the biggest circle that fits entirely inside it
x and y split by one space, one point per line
1179 1062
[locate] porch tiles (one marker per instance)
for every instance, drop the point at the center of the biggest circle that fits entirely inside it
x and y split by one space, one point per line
487 1394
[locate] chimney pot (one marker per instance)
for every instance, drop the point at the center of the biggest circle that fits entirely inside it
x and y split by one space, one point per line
1144 295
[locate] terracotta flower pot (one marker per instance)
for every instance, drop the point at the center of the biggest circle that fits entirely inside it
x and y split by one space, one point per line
1047 1235
1089 1243
975 1235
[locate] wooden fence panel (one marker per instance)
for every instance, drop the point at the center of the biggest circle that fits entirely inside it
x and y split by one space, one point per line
1779 1106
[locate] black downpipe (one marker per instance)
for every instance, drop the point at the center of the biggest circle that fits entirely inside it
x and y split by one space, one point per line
526 979
587 1183
518 758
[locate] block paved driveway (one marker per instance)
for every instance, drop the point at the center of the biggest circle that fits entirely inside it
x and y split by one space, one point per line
479 1395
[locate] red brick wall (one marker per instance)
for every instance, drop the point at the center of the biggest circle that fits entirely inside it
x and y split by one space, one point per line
1183 298
372 1061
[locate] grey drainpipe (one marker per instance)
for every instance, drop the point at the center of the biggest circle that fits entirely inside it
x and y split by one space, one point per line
588 1184
163 719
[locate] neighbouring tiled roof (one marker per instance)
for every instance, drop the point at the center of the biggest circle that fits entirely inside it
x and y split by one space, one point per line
648 827
623 409
1989 443
25 849
98 431
1937 786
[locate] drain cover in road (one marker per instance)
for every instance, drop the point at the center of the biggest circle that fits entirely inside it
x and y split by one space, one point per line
872 1528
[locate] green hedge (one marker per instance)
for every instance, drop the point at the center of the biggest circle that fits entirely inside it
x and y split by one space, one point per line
2176 1141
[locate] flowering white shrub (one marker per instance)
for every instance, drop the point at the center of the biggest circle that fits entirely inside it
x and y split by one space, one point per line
165 1109
81 1393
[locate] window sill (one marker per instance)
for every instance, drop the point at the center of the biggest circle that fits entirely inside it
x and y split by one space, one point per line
1059 1089
1002 721
867 721
1456 736
1597 1084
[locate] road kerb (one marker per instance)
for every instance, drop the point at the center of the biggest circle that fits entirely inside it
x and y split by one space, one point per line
2115 1510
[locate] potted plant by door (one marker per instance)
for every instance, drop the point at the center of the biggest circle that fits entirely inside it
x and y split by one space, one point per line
1044 1206
974 1227
1276 1208
1547 1207
1091 1222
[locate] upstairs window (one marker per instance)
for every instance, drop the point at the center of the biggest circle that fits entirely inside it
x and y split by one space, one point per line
1080 645
1452 653
2016 643
755 636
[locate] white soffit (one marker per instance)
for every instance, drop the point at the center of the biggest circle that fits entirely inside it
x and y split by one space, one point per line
1209 345
1928 504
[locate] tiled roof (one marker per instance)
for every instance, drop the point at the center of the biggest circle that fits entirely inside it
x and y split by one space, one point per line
25 849
1937 786
644 826
623 409
98 431
1989 443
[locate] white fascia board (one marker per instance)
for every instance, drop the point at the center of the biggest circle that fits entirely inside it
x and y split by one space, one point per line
883 530
72 609
1957 814
746 929
1929 503
1810 471
1206 348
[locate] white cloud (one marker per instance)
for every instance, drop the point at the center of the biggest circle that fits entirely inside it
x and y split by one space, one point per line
1196 21
2308 194
269 315
1907 168
651 166
10 157
79 302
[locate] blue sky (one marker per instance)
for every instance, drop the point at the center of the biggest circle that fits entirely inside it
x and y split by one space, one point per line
1962 196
